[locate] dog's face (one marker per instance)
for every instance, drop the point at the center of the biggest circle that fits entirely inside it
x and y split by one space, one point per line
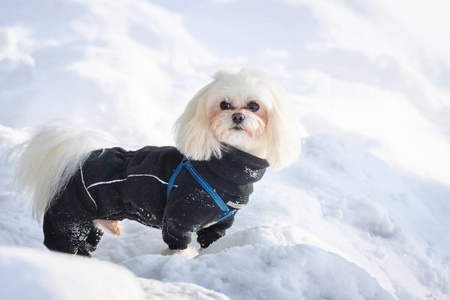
240 120
238 123
241 108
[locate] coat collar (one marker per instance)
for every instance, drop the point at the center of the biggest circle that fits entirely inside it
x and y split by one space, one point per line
237 166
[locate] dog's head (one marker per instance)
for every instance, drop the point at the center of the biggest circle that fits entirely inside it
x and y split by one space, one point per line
244 109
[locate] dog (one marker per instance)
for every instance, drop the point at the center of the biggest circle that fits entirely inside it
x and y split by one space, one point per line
232 130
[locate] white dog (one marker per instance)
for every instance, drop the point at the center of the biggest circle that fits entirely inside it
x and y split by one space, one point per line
230 132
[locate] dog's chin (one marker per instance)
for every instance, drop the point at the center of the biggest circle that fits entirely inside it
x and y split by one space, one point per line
236 137
240 138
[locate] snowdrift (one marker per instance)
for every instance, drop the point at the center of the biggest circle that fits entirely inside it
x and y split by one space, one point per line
34 274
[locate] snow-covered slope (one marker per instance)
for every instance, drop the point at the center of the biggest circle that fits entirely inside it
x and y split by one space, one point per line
39 275
363 214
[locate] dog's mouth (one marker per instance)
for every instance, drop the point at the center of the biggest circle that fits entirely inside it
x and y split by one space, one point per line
237 128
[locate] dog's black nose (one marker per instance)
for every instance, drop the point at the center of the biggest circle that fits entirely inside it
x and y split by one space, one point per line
238 118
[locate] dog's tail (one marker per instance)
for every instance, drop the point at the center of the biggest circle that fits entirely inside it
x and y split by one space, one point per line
49 159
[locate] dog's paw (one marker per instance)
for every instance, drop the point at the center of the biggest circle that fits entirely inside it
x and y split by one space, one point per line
189 252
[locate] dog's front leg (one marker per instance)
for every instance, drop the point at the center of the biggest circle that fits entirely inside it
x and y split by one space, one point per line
175 233
209 235
177 237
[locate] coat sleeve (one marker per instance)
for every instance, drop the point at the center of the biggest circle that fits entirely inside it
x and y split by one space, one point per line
175 233
209 235
181 217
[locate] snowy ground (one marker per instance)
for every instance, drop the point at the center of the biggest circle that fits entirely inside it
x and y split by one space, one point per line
363 214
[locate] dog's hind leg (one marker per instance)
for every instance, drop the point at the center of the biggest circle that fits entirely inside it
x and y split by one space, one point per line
69 235
90 244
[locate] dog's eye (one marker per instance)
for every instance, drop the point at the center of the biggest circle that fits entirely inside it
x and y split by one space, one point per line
253 106
225 105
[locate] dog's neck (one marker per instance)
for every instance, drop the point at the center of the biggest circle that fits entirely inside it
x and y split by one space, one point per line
238 166
253 147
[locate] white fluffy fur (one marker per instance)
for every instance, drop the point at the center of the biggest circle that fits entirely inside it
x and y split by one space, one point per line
280 143
54 153
49 159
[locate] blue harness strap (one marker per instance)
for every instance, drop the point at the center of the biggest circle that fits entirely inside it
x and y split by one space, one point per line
185 163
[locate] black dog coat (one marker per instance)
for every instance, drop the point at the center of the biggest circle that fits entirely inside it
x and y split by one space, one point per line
115 184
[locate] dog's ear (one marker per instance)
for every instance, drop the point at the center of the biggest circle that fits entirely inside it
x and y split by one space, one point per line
283 131
193 135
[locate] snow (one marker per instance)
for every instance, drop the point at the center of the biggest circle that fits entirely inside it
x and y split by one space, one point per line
364 212
36 275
